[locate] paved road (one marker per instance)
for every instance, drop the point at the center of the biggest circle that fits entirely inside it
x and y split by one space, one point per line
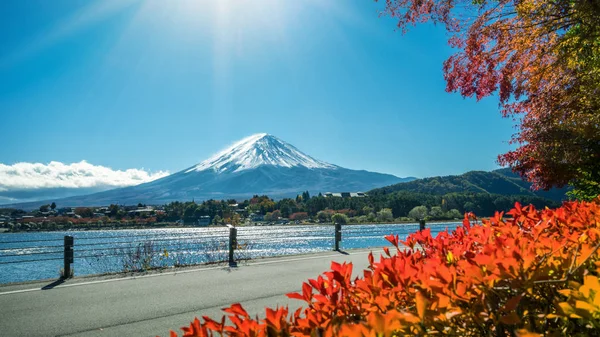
151 305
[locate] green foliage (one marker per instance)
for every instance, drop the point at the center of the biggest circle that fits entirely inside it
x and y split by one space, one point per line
113 210
339 218
418 212
323 216
436 212
385 215
273 216
586 188
502 182
382 205
305 196
287 207
454 214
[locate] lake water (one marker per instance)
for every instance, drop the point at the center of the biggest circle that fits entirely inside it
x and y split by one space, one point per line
98 252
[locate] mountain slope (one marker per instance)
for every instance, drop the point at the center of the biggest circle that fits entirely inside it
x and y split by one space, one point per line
502 181
259 164
258 150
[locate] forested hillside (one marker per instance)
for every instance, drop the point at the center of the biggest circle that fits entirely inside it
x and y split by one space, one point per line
499 182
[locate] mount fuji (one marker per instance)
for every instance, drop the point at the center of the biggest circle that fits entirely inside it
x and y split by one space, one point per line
259 164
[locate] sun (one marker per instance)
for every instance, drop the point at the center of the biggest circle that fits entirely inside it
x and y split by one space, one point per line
231 18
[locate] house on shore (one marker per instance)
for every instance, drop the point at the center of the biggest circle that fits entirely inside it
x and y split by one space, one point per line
141 211
204 220
345 194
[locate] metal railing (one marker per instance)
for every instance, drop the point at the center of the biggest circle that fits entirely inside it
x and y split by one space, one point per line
75 248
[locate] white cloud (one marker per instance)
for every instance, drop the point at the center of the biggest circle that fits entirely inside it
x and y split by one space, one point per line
31 176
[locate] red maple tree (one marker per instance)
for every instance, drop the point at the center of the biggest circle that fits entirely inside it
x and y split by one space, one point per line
543 59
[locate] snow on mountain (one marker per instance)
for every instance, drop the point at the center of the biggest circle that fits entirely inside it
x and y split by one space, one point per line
257 150
259 164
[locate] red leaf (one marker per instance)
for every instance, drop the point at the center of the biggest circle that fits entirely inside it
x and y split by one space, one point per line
236 309
295 296
512 303
421 302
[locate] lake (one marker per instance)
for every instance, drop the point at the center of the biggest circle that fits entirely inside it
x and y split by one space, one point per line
104 251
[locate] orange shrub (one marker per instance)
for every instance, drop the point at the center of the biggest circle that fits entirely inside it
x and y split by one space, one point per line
534 274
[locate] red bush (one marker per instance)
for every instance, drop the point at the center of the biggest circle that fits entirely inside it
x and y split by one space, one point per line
536 273
299 216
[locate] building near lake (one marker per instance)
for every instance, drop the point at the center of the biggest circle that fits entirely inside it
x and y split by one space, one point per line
204 220
140 211
345 194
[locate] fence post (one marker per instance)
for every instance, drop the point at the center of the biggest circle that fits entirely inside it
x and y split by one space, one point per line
232 244
421 225
68 256
338 236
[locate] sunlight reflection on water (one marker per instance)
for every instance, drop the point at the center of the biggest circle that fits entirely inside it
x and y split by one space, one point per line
102 251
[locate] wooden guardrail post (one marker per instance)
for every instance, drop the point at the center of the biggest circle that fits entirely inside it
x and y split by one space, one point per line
232 244
68 256
338 236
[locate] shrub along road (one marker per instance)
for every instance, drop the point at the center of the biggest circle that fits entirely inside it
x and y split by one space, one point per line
152 305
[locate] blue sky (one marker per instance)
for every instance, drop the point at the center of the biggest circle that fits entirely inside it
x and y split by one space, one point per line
162 85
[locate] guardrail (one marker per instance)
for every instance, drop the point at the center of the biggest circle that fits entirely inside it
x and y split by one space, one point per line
70 248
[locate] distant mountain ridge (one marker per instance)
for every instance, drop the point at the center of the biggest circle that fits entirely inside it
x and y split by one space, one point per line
259 164
502 181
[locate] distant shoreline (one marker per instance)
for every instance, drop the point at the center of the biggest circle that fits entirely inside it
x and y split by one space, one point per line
170 226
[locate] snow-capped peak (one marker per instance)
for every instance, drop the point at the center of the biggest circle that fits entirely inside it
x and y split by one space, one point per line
256 150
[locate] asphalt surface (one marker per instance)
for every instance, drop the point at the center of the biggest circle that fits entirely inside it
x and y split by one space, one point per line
152 305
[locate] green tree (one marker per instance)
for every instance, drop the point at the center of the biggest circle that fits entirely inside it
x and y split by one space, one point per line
323 216
436 212
268 216
472 207
189 212
339 218
113 210
235 219
275 215
53 206
266 205
121 214
418 212
305 196
286 207
44 208
371 217
385 215
454 214
586 188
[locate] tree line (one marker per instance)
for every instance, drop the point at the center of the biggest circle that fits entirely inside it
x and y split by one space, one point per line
380 207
